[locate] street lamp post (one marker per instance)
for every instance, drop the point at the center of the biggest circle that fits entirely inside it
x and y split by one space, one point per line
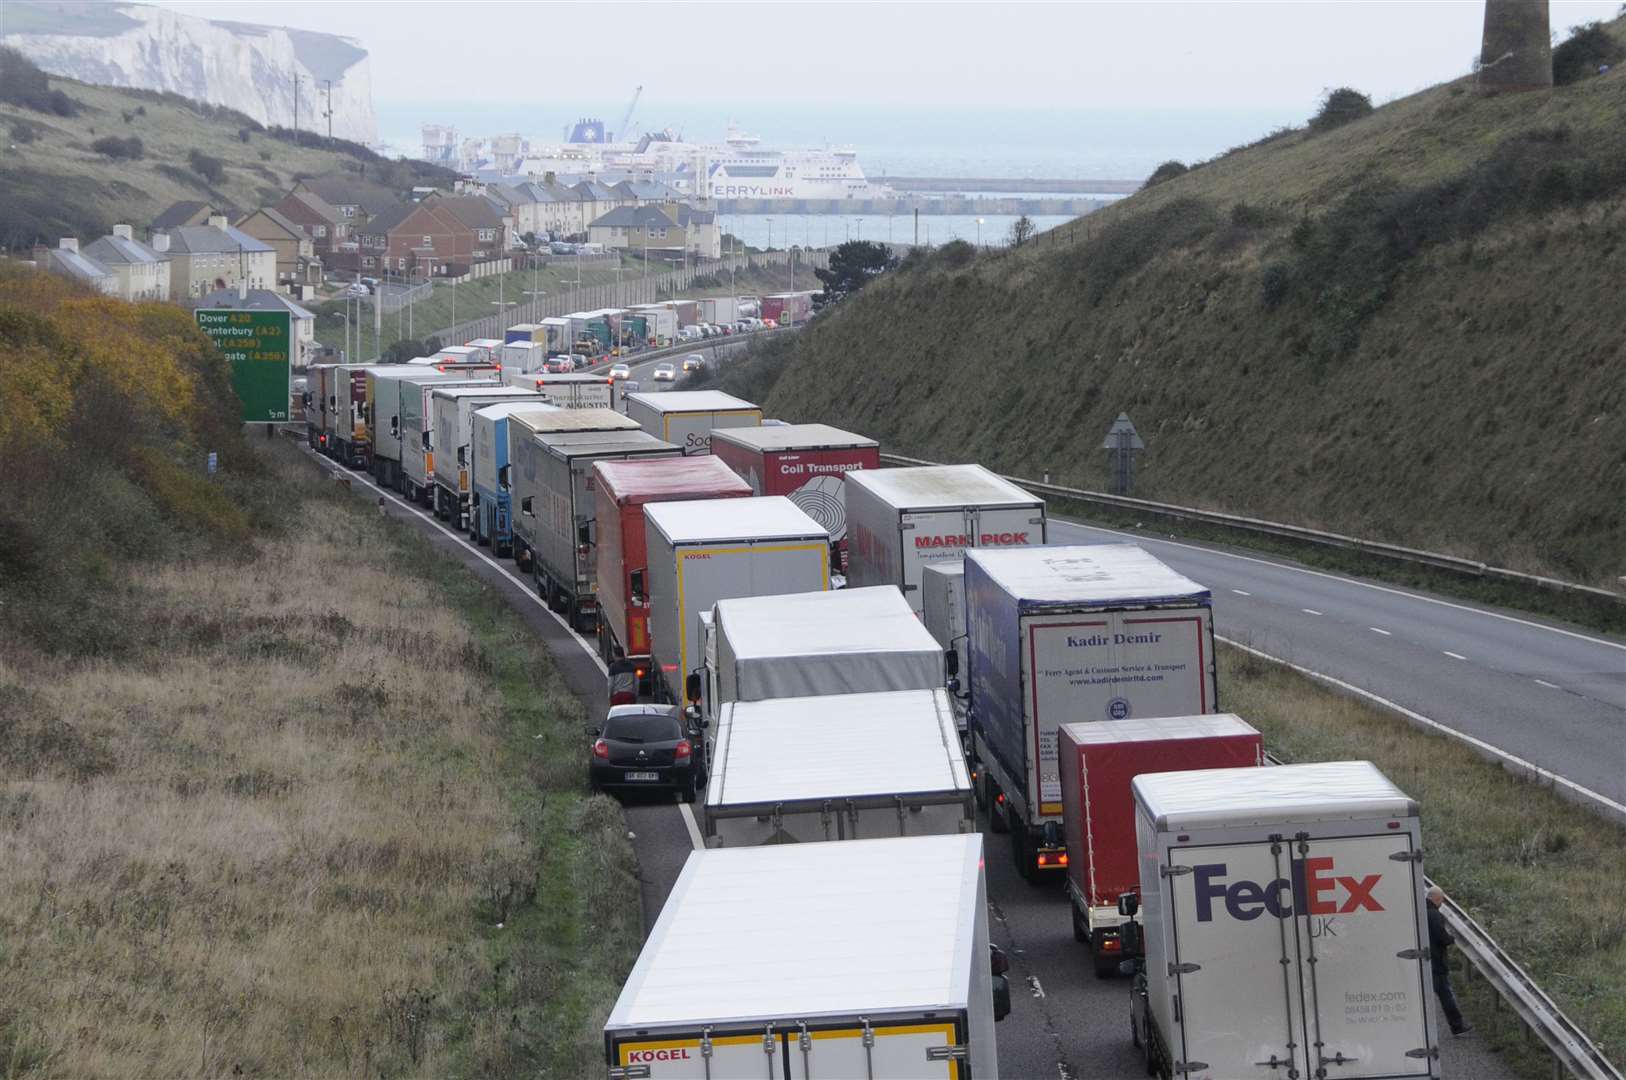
979 234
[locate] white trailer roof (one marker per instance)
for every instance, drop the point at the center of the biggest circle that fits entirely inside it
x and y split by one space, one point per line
674 401
836 746
871 620
832 928
698 520
495 390
557 419
1156 729
577 443
506 408
1083 573
793 437
1325 790
931 487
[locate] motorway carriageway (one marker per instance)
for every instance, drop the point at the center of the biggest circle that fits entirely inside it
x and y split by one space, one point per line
1065 1022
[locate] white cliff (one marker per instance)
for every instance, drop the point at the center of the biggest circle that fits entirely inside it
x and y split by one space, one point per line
239 65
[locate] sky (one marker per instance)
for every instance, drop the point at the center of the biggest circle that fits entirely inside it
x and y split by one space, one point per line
1152 54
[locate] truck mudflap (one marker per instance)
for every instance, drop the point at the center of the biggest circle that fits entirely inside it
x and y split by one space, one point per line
934 1049
1322 934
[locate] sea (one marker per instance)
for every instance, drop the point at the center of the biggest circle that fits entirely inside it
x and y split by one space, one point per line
985 142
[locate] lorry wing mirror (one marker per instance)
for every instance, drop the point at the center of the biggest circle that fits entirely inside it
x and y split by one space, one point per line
998 962
1002 998
1128 905
636 579
525 506
462 457
951 662
395 426
426 440
502 477
691 687
584 534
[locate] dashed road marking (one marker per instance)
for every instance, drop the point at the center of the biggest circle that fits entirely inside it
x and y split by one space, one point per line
1242 592
1548 685
1309 611
1455 655
686 812
1380 630
1036 986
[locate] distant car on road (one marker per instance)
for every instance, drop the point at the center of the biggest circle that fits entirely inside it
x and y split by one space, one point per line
620 371
559 365
644 746
664 373
694 362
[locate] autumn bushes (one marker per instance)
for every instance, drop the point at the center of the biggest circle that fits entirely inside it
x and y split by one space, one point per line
107 413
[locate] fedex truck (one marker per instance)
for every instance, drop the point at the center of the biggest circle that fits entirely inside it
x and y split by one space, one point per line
864 958
899 521
687 418
805 462
1097 764
452 410
490 508
1285 927
1072 634
865 765
621 490
708 550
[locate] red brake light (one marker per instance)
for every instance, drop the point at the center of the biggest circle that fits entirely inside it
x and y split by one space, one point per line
601 749
1000 798
1111 944
682 750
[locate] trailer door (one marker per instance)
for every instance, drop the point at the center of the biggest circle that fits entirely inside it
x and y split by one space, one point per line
1234 964
759 1056
933 1049
1367 1010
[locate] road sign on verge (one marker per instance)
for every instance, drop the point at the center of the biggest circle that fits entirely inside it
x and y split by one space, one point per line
259 347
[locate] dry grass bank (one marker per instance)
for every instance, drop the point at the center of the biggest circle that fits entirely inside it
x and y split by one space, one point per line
1545 877
276 837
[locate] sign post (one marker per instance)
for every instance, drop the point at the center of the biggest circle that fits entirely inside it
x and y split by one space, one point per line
259 347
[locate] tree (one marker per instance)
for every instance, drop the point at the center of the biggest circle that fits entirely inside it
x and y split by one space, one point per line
399 352
852 266
1340 107
1022 230
1166 171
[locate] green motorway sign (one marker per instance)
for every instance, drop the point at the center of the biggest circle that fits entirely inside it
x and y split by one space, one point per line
259 346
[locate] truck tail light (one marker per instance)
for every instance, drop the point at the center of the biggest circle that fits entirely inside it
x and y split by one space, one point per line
1052 858
601 749
1000 798
683 750
1111 944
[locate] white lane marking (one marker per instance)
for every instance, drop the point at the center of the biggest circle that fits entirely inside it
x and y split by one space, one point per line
1603 802
1380 630
1309 611
1548 685
1454 656
524 586
1035 986
686 812
1144 539
1239 592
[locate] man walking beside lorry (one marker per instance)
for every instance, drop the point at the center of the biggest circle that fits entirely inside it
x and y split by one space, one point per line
1440 939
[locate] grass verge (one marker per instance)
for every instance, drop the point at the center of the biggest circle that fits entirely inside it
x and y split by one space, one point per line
326 818
1546 878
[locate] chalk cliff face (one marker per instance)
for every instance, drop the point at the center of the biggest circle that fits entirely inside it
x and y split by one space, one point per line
245 67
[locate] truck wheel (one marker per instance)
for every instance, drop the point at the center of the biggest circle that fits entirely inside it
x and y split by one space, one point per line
1134 1028
1154 1060
1081 930
1019 849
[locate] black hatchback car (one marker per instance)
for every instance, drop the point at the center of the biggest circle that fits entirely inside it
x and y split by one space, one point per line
644 746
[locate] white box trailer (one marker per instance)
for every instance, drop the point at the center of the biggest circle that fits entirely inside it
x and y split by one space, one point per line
942 609
899 521
1073 634
706 550
686 418
578 390
1284 922
453 413
719 309
663 322
386 389
522 429
867 958
864 766
843 641
520 358
417 425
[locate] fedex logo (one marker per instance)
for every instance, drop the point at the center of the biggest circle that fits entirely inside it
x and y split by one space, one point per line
1315 889
964 540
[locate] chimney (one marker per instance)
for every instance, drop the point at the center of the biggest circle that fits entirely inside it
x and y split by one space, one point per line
1516 50
160 241
68 243
123 232
217 221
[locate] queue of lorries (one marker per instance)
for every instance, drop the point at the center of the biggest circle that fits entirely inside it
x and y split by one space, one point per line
840 664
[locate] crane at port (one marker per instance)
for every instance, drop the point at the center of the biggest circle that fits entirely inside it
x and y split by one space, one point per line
621 132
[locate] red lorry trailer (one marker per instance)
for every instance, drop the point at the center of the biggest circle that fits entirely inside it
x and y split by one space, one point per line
805 463
1099 761
622 488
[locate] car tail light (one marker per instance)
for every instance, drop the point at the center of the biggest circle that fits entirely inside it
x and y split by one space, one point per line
601 749
1000 798
682 750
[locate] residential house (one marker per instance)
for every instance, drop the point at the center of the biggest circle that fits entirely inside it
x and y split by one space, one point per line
701 234
329 232
185 212
373 243
66 259
476 214
245 299
142 273
636 228
640 192
297 263
598 198
214 256
445 235
357 200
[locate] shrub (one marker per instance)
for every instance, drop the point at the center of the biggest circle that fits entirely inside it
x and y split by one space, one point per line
1589 47
1127 243
23 133
1275 284
955 255
1166 171
243 134
1340 107
23 83
111 146
210 168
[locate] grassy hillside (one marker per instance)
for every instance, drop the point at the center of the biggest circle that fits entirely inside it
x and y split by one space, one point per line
1409 328
57 184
